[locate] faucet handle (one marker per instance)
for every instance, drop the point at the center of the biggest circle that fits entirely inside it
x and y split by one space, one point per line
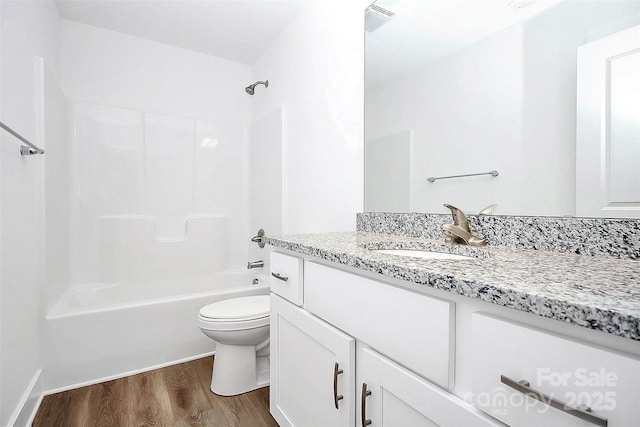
488 210
459 218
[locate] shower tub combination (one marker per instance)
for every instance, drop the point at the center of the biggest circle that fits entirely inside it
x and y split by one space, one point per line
158 228
103 332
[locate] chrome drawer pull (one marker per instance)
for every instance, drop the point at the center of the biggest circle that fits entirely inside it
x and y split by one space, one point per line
336 397
524 388
363 404
280 277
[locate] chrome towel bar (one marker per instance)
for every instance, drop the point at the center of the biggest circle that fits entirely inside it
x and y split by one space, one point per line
434 178
25 150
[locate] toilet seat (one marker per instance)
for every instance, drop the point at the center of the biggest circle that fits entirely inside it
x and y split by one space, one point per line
237 309
236 313
223 325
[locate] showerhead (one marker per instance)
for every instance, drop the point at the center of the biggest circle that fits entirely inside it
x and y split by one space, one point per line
251 88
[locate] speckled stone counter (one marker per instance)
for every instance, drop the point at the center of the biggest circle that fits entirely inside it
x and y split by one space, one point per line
601 293
618 238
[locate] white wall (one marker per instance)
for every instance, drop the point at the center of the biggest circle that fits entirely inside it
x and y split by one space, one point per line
28 29
159 143
266 191
112 68
505 103
316 69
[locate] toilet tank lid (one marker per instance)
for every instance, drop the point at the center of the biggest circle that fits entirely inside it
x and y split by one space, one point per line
241 308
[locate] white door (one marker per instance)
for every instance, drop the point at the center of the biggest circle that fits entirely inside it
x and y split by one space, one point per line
392 396
312 369
608 126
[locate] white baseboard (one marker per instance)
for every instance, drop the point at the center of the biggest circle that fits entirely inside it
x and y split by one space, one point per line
126 374
29 403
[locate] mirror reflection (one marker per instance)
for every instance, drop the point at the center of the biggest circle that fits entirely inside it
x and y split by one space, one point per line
466 87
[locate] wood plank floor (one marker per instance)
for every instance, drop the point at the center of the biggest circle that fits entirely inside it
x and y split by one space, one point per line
177 395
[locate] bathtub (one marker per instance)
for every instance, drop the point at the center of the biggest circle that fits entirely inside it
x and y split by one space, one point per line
106 331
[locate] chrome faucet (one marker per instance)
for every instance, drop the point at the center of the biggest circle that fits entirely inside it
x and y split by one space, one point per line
459 231
255 264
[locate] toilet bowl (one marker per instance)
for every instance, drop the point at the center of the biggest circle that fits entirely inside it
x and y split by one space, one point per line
240 327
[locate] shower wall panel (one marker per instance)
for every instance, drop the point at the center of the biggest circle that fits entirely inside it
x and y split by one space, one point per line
169 154
52 115
109 162
155 196
159 157
221 181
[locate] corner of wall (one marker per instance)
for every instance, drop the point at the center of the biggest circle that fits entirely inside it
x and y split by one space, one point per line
317 69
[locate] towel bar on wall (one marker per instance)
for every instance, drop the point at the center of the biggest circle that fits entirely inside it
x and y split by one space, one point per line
25 150
434 178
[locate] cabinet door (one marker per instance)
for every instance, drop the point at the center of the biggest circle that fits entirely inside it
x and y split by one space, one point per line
312 365
392 396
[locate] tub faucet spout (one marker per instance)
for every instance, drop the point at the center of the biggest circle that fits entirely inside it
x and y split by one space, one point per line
255 264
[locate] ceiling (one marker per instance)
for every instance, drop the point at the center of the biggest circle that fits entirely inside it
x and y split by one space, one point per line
237 30
424 31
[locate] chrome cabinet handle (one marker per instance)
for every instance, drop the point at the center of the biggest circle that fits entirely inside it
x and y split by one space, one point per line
363 404
336 397
280 277
524 388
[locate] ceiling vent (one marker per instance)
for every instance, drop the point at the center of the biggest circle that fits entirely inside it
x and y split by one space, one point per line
376 16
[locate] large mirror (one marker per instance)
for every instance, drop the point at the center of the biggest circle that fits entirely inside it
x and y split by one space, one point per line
465 87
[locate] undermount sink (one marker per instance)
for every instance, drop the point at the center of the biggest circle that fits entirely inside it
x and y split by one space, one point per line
417 253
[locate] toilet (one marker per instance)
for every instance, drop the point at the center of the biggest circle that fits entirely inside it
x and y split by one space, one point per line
240 327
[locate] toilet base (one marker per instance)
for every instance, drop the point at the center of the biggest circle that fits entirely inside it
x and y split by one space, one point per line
237 370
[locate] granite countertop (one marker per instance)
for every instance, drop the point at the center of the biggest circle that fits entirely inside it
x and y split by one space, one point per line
599 293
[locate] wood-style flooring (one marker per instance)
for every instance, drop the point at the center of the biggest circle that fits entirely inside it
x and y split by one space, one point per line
177 395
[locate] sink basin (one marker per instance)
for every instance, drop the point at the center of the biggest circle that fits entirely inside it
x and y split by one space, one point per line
416 253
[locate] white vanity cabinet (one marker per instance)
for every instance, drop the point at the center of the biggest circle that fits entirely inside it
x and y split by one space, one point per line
418 356
405 347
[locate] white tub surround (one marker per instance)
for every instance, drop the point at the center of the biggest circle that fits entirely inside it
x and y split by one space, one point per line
152 325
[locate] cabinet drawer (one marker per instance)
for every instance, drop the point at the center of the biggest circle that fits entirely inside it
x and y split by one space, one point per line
569 372
286 277
403 325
